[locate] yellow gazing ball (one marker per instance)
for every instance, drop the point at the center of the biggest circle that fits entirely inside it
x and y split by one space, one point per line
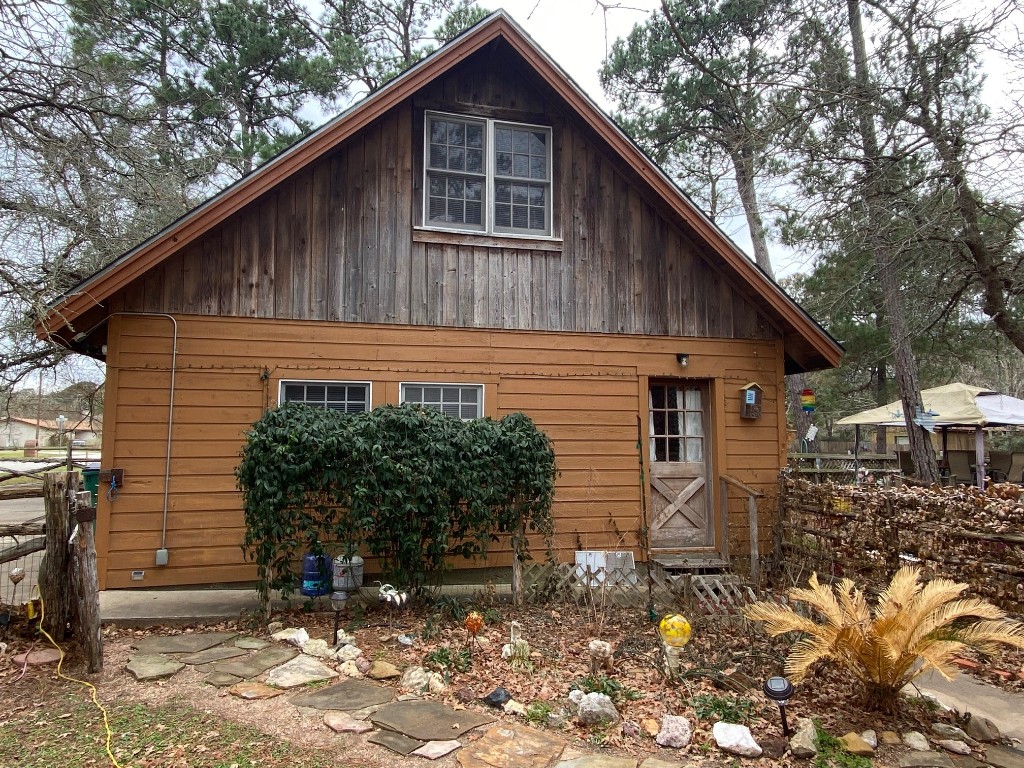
675 630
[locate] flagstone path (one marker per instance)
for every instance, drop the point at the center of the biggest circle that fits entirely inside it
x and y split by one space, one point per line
346 696
428 720
418 727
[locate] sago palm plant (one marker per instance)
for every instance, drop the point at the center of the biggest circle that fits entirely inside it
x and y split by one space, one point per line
911 623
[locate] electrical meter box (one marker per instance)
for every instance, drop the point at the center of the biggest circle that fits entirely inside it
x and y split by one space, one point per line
750 401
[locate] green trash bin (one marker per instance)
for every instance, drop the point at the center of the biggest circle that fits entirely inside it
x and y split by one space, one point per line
91 479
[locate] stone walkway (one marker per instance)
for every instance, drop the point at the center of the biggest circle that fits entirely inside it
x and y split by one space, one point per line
353 701
407 726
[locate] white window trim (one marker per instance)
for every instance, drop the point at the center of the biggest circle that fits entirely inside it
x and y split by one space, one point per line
460 384
489 176
328 382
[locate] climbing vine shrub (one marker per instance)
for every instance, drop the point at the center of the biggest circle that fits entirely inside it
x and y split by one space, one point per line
407 485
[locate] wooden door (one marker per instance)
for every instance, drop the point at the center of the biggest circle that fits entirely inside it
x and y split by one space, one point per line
680 448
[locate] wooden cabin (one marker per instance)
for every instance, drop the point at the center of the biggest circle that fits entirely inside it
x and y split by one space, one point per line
476 236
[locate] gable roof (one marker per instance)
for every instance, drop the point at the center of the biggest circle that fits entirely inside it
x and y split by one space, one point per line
807 344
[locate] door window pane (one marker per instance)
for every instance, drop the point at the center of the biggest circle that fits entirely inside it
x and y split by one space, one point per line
676 423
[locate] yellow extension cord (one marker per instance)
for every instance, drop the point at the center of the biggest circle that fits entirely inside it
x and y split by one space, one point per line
90 686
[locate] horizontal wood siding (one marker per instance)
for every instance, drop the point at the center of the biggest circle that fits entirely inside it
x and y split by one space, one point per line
582 389
340 240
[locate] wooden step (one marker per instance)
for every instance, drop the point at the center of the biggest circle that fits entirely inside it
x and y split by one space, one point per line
690 563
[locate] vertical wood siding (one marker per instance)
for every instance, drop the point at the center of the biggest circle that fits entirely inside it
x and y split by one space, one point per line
340 241
582 389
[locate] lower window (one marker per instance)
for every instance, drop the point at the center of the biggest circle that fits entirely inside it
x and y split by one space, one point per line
350 397
463 401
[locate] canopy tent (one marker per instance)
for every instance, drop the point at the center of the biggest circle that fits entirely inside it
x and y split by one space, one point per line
953 405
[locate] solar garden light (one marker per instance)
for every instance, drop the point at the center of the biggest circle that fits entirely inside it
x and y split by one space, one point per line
779 690
338 601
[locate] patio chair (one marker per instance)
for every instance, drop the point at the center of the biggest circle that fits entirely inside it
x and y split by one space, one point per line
960 466
999 466
906 463
1015 473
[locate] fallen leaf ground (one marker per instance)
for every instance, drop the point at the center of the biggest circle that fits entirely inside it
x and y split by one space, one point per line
181 722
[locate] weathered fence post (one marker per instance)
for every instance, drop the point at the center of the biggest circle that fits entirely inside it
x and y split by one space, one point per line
780 522
83 561
891 540
723 501
755 557
517 564
752 496
54 587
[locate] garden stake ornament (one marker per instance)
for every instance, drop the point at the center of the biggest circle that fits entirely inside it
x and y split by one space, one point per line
675 633
339 600
393 598
474 623
601 656
516 650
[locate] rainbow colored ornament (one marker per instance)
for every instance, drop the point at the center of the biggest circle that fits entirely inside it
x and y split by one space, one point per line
808 401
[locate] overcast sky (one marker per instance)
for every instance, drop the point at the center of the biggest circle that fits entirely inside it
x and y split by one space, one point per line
577 34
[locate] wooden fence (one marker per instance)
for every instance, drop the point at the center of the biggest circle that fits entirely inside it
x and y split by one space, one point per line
867 532
714 594
22 542
67 584
842 467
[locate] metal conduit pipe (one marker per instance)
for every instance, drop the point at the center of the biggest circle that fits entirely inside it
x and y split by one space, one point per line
161 555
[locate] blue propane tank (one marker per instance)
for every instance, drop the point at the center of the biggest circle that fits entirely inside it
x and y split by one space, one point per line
316 575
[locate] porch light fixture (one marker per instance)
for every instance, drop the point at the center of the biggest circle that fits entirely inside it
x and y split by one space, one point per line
779 690
683 358
338 602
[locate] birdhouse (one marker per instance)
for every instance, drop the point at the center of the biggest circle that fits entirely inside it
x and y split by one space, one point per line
750 401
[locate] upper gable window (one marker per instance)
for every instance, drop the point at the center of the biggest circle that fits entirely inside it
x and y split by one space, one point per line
487 175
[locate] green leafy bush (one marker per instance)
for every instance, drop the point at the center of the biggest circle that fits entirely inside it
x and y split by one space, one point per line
406 485
450 607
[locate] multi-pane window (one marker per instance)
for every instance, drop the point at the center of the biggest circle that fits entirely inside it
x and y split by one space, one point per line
458 400
456 174
487 176
520 178
677 423
339 396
